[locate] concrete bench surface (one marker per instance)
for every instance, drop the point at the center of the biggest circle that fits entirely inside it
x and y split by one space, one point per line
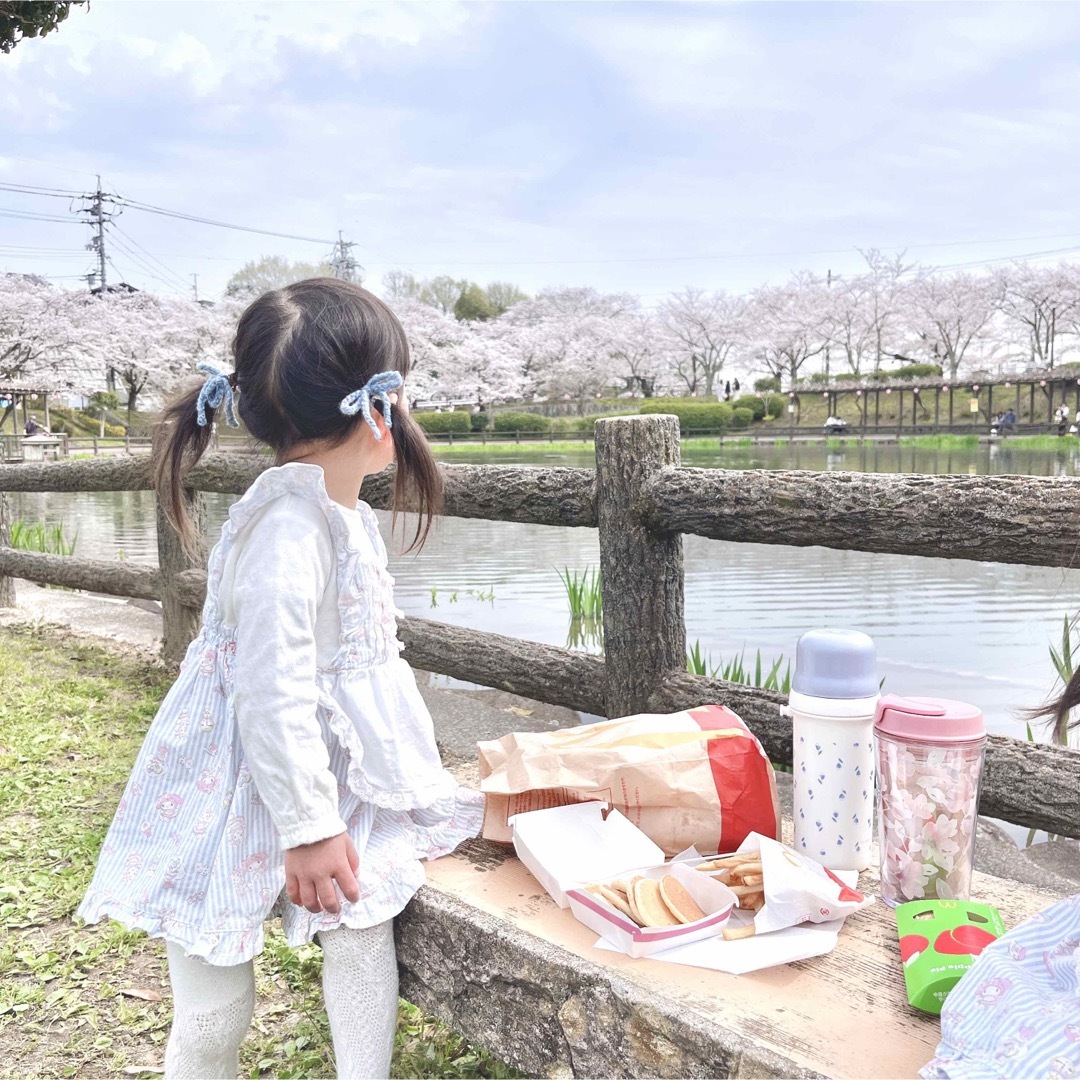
486 950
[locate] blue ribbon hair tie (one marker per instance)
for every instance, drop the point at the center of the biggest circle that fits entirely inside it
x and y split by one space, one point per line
378 386
217 389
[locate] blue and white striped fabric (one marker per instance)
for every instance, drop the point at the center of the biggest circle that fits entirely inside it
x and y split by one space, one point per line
1016 1012
193 855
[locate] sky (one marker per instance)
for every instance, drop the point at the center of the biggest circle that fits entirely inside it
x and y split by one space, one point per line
632 147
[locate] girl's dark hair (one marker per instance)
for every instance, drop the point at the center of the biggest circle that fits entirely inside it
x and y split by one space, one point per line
1057 712
297 352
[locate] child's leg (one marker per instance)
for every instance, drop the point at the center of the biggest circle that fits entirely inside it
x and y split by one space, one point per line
360 984
212 1009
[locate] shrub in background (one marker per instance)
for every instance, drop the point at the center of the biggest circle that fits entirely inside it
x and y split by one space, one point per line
441 423
752 402
521 421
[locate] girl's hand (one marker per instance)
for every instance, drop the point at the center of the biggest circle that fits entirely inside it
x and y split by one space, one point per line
311 870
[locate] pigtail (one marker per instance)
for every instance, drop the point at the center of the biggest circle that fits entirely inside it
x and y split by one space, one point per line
418 484
1057 712
179 442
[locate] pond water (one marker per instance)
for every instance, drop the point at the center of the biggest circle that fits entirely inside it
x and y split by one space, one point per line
975 631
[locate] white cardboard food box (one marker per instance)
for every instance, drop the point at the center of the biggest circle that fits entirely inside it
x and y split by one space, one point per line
567 847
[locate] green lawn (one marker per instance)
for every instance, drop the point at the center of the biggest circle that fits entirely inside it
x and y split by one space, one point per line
94 1001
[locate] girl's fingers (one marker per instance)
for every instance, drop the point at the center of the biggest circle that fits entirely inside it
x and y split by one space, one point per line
347 882
309 896
328 895
354 859
292 890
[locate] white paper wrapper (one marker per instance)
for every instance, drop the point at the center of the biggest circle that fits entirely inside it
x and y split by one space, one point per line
797 889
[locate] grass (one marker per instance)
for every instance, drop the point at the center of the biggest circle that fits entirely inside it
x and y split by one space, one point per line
41 537
944 442
1040 442
93 1001
584 593
735 670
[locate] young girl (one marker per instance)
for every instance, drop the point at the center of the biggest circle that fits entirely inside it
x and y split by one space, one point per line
292 768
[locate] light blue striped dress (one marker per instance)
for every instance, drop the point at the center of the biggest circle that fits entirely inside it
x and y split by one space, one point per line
1016 1011
193 855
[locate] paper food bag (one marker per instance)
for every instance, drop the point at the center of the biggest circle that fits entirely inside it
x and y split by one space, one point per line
689 778
799 890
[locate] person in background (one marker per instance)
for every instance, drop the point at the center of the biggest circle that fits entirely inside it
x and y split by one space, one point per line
34 428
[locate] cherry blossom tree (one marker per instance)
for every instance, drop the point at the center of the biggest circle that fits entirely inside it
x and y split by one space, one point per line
153 342
947 314
641 351
790 325
1039 304
564 341
884 287
849 323
39 327
452 359
705 330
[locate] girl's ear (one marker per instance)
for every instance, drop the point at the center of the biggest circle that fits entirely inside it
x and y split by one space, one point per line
380 423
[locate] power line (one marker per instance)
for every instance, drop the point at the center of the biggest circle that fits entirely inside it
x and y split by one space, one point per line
116 232
146 207
145 266
28 189
29 215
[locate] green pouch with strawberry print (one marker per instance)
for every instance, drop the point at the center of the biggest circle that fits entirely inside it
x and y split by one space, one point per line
939 939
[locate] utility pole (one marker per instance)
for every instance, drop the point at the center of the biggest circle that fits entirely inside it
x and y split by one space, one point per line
97 242
344 265
97 219
195 286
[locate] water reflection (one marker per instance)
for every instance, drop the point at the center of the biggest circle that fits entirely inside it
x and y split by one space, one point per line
976 631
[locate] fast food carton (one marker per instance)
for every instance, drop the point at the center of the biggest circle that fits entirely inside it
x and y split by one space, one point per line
939 940
567 847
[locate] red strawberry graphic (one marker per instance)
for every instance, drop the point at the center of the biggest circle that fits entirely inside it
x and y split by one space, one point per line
911 947
948 945
974 938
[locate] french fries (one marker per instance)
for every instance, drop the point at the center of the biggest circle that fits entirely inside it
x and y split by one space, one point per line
742 874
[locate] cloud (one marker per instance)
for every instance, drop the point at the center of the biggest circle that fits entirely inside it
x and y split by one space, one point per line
552 143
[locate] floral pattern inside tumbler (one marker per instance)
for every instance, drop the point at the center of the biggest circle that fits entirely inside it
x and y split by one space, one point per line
929 769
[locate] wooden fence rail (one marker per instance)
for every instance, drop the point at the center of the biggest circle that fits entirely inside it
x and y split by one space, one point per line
642 502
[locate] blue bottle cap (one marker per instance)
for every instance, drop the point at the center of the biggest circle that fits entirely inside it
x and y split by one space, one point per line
835 664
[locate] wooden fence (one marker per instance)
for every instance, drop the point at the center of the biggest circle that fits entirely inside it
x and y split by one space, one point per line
642 501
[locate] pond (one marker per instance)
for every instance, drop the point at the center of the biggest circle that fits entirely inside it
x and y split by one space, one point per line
976 631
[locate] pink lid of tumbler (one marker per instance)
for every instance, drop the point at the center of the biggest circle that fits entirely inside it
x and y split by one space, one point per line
929 720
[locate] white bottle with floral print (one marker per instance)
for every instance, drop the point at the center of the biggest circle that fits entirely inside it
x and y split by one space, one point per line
930 757
832 704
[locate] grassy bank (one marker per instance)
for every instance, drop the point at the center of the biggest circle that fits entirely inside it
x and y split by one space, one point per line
94 1001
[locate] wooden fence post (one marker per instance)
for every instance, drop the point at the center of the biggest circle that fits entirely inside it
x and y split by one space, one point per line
641 571
181 623
7 585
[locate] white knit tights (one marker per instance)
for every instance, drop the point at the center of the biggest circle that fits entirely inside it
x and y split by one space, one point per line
212 1009
213 1006
360 984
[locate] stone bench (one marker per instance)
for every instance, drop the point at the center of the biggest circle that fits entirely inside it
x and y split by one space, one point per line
485 949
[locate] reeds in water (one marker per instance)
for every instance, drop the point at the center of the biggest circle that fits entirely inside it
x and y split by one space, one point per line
735 670
38 536
583 593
